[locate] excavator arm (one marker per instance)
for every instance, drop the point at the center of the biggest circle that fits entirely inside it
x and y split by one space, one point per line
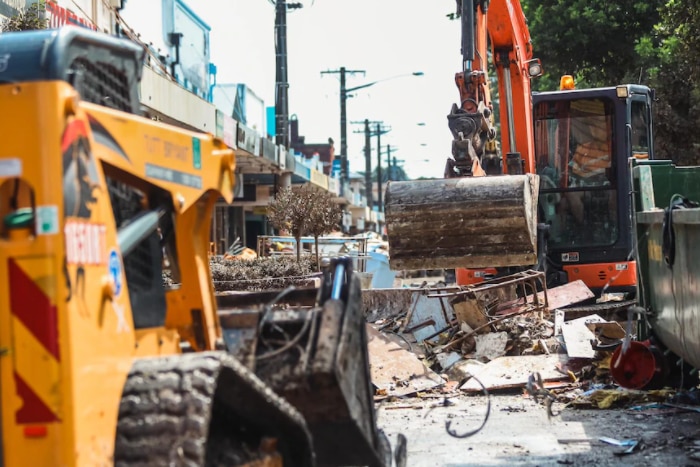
465 219
471 122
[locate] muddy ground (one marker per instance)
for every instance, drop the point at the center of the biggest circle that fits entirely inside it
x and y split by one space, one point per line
519 433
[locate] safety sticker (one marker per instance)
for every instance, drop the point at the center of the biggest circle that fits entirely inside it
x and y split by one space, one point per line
197 153
115 271
10 167
570 257
46 220
85 243
621 267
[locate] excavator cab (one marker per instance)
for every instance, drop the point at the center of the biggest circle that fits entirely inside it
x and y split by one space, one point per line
583 139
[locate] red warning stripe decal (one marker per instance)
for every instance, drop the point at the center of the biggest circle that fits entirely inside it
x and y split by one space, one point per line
33 308
33 408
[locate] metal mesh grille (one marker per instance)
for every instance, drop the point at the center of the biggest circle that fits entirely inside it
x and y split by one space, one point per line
101 83
126 203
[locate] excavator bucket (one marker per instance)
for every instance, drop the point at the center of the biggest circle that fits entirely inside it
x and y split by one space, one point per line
468 222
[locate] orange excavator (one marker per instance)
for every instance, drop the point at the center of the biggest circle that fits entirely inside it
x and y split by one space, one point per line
557 198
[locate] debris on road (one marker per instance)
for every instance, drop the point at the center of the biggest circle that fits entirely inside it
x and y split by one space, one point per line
578 337
397 371
512 372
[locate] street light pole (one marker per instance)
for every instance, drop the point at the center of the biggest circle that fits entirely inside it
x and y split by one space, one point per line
281 84
344 168
344 93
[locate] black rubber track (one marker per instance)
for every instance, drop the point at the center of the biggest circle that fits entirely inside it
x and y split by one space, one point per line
203 409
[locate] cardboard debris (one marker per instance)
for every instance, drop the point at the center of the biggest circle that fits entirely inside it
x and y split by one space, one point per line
513 372
577 336
396 371
471 312
607 329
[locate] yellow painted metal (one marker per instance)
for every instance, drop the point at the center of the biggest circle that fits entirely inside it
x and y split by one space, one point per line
81 380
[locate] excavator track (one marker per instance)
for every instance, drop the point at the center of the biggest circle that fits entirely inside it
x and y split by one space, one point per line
206 409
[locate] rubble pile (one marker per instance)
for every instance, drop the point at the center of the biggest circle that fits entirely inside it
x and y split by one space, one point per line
264 273
498 335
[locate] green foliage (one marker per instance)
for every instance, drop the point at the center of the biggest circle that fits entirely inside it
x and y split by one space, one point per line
27 19
594 40
676 77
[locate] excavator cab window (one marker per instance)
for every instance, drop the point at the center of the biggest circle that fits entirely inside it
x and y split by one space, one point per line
640 129
576 165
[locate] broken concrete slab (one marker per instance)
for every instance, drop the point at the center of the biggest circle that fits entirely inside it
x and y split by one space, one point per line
577 336
464 368
490 346
396 371
513 372
446 360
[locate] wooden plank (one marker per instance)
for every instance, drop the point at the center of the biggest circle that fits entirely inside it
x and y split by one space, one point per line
395 370
513 372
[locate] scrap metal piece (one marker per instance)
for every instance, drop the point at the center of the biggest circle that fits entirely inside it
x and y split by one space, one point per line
448 423
535 387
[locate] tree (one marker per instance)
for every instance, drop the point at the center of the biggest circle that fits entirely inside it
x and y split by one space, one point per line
27 19
675 47
303 210
593 40
324 217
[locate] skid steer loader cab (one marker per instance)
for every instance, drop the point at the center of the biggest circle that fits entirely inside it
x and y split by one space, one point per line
583 139
101 363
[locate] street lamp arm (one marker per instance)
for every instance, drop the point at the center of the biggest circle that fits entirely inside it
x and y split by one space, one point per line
362 86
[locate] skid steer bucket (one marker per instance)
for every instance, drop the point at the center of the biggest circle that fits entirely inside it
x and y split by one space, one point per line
470 222
310 347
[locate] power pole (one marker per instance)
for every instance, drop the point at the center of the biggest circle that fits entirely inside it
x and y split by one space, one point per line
368 168
344 169
281 85
379 131
388 163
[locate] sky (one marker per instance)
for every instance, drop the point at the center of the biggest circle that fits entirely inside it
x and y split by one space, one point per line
387 39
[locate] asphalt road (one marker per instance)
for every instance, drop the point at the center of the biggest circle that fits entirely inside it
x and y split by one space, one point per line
519 433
